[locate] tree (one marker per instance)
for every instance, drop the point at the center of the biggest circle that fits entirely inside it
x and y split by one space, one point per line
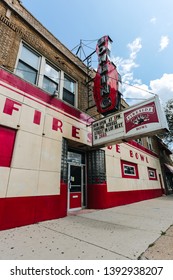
168 137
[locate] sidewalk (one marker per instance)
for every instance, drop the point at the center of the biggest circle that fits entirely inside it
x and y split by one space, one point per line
135 231
161 249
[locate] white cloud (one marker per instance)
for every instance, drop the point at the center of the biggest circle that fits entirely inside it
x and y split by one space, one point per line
162 87
127 65
134 91
164 42
153 20
135 47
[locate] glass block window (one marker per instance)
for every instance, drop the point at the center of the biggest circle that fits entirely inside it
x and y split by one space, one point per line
96 167
64 167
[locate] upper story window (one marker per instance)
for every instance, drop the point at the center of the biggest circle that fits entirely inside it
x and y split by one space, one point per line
139 141
50 79
28 65
69 90
149 143
34 68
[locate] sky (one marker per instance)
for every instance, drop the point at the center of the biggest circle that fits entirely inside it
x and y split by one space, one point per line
142 34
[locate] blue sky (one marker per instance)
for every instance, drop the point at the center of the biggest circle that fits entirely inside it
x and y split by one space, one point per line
142 34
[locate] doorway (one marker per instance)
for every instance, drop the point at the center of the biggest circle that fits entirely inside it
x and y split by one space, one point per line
76 181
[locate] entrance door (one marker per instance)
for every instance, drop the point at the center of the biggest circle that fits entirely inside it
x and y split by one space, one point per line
75 185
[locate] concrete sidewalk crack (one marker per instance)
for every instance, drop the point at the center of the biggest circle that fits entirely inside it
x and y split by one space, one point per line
76 238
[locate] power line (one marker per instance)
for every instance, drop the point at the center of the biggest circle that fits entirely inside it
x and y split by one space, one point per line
51 77
138 88
134 98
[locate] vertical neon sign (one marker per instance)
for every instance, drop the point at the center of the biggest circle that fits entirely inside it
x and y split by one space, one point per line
107 80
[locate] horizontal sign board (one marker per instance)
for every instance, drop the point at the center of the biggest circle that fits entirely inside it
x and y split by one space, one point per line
144 119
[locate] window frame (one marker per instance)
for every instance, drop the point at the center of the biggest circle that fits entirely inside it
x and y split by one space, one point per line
150 143
139 141
70 92
19 60
131 165
153 178
56 92
41 74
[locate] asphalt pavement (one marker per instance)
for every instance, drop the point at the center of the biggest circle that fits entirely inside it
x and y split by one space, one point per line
141 230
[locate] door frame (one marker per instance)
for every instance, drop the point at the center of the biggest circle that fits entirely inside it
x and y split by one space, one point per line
82 185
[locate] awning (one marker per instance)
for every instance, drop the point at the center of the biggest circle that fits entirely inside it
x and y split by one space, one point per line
169 167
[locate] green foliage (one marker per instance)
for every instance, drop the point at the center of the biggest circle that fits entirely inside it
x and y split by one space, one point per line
168 137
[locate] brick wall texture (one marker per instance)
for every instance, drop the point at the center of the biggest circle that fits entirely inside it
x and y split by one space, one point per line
17 24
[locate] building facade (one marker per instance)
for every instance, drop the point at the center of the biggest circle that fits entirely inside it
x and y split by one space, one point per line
166 165
47 164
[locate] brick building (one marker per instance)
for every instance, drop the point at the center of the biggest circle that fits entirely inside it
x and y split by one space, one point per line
47 164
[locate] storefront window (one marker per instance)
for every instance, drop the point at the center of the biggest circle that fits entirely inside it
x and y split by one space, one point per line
152 174
129 170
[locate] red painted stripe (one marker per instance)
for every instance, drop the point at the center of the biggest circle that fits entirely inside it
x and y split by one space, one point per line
35 92
127 197
99 198
20 211
142 148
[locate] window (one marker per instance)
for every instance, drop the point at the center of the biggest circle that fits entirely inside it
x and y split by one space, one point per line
129 170
96 167
7 139
28 65
152 174
149 143
139 141
50 79
34 68
69 90
74 157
